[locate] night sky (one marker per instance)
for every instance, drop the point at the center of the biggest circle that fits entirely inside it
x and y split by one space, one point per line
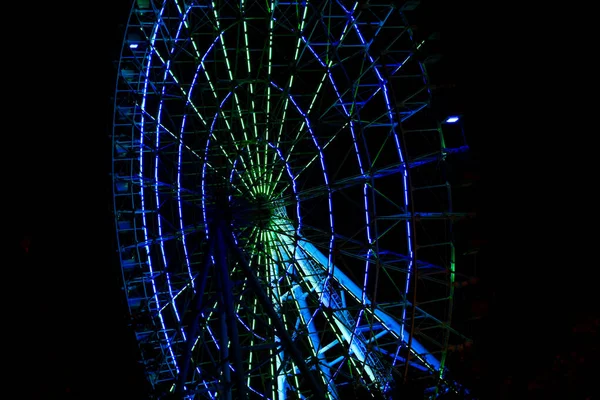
535 330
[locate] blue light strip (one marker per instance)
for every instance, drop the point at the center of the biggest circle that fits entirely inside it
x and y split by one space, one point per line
319 60
326 180
157 197
179 161
168 72
320 151
383 86
141 175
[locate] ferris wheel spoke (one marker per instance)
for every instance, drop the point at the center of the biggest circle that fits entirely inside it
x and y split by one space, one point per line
288 86
253 110
209 81
305 126
235 101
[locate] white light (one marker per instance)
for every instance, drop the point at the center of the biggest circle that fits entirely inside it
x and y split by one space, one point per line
451 120
133 46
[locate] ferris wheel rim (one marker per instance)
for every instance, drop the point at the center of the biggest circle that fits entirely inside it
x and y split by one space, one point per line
326 188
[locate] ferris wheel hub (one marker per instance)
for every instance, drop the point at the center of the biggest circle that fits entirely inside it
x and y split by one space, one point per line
257 211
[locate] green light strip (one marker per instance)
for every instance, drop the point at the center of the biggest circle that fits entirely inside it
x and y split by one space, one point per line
271 9
269 68
262 166
250 171
186 94
252 327
287 99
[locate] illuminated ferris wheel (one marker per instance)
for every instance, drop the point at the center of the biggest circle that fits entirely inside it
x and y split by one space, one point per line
283 225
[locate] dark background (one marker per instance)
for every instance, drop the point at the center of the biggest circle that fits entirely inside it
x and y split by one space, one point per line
65 324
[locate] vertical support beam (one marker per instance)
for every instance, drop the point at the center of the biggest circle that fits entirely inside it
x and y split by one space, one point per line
192 331
216 248
229 331
225 378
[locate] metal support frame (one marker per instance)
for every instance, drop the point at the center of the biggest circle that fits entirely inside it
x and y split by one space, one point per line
221 257
221 245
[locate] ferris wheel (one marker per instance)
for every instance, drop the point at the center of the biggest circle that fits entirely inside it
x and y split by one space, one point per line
284 228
